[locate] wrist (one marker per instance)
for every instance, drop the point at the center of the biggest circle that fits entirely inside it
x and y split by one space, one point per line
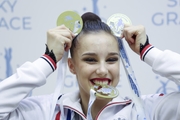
50 54
145 48
142 46
50 61
50 58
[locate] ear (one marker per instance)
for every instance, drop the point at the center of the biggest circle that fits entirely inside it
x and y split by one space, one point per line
71 66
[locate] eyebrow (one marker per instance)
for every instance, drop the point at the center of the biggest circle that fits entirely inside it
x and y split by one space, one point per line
91 53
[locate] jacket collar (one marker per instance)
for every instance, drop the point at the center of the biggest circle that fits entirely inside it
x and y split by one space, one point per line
72 101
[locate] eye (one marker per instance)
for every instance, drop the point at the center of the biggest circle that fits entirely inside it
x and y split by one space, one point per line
112 59
90 60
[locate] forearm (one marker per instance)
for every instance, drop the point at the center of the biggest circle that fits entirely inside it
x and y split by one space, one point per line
17 87
165 63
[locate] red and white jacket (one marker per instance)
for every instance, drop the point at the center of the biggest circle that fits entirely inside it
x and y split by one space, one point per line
15 105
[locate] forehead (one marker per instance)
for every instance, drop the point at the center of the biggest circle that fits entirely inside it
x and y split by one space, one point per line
97 40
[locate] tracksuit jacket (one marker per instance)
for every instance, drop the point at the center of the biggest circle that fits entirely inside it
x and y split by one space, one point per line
15 105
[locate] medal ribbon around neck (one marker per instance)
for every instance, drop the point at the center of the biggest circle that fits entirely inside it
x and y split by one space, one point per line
116 22
74 22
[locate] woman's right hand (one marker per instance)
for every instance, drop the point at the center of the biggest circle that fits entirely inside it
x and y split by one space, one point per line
58 40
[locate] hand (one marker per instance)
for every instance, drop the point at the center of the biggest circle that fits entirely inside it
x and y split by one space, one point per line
134 35
58 40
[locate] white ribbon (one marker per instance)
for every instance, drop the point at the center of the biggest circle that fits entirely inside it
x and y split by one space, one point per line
59 85
91 101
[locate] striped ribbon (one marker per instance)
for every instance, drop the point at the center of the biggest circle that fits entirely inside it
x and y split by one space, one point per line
132 81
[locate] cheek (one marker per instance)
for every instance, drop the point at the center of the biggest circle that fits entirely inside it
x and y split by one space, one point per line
83 70
115 71
115 68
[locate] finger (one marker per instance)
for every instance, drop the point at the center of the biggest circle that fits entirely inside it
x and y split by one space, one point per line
66 28
128 34
64 41
68 44
63 27
64 33
127 25
121 36
123 32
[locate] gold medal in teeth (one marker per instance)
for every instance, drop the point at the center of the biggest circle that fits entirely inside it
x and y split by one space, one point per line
105 91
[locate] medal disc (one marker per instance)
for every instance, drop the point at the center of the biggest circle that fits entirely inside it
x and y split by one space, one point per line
105 91
116 23
71 20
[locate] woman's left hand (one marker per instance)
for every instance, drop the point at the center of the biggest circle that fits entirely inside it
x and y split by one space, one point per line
134 35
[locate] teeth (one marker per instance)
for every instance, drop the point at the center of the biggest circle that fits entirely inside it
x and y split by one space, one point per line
100 82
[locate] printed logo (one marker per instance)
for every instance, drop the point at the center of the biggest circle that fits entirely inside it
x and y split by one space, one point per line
170 17
12 22
8 58
165 88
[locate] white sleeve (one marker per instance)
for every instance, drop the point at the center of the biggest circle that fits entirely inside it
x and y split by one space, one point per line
165 63
166 107
148 102
15 88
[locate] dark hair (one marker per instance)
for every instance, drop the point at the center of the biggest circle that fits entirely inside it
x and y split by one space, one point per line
91 23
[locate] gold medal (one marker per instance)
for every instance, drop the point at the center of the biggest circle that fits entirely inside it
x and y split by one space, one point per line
105 91
116 23
71 20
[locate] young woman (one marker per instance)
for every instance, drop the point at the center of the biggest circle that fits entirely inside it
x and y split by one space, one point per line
94 60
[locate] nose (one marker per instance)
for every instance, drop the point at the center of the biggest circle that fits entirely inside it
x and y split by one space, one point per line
102 70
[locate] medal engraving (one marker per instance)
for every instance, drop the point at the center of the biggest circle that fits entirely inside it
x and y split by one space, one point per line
105 91
116 23
71 20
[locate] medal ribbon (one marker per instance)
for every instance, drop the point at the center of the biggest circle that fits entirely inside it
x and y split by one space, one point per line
132 81
69 19
59 85
91 101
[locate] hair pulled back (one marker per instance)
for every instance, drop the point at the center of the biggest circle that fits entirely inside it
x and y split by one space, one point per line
91 23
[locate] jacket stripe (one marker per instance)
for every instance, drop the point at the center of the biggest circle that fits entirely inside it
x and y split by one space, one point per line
69 115
50 61
81 114
145 51
58 116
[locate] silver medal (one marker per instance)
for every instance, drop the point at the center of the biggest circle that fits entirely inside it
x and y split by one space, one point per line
117 21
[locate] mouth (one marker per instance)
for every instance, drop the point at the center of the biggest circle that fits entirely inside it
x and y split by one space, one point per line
103 88
101 81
